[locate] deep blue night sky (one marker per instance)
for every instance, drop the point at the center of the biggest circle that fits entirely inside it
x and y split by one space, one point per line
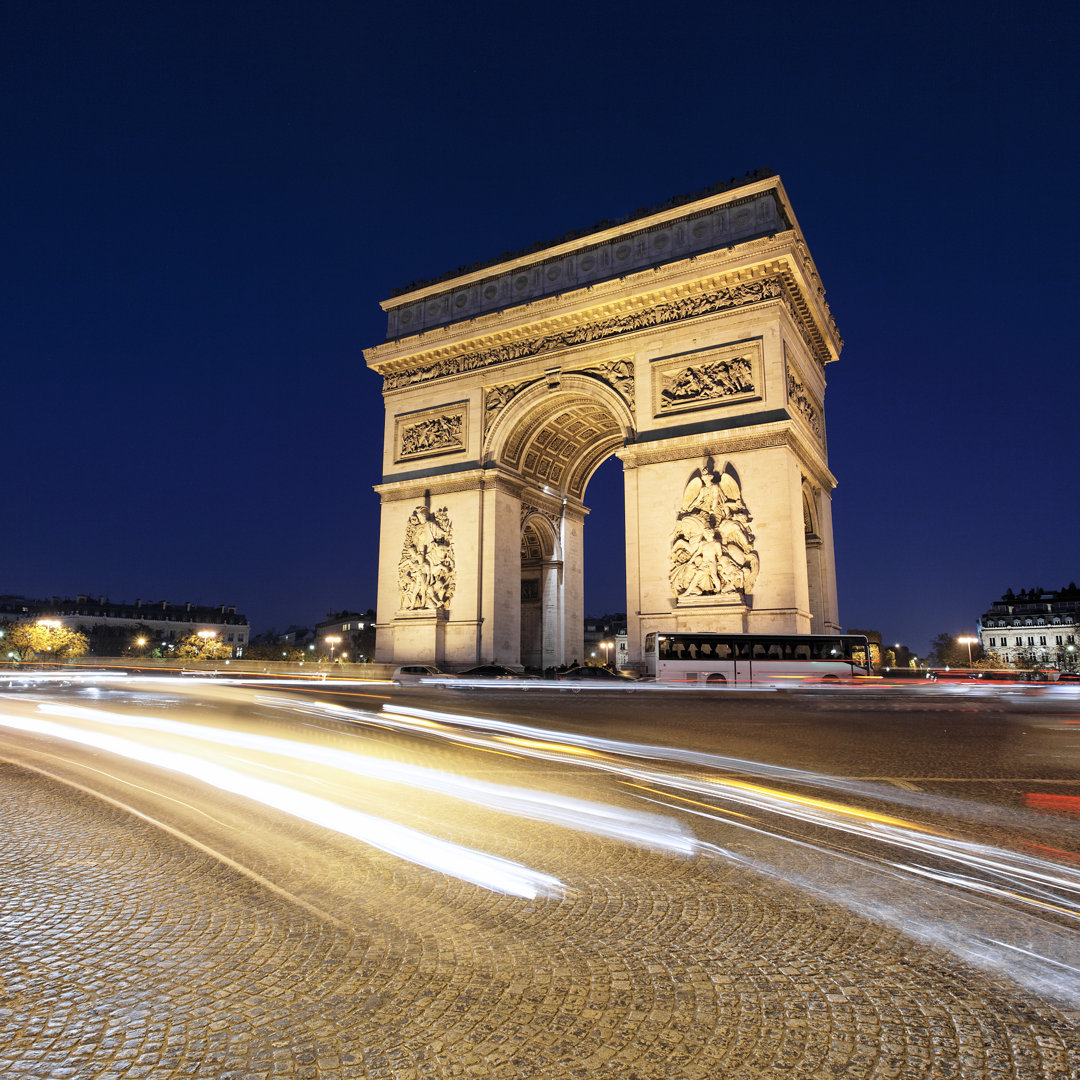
203 204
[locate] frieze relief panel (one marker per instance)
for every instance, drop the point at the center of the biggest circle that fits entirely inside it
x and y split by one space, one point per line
804 401
426 570
712 545
708 302
722 376
441 430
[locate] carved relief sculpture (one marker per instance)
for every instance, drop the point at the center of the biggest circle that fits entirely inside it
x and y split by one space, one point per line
426 576
443 429
712 546
706 303
707 382
438 433
800 397
495 397
619 374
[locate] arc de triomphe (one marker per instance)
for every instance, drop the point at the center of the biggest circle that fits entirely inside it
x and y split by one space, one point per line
692 344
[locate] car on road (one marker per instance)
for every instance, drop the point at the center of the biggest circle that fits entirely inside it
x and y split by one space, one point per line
415 674
598 675
492 671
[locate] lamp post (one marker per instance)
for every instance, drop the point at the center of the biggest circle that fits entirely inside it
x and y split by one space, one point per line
605 645
968 641
332 641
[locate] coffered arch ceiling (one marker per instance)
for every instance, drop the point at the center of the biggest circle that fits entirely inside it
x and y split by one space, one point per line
561 441
538 540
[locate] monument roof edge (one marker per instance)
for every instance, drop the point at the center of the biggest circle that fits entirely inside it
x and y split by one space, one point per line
505 264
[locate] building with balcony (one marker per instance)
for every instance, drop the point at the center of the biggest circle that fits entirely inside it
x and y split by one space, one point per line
1033 627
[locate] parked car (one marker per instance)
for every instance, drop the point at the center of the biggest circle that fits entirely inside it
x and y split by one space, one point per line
414 674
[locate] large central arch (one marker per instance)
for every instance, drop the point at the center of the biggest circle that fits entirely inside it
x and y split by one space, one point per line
692 344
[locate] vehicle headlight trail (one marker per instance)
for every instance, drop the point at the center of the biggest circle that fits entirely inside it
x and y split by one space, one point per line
630 826
487 871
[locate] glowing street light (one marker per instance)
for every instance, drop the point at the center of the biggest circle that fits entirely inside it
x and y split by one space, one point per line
605 645
968 641
332 641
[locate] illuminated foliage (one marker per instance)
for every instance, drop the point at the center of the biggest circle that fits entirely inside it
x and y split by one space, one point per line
43 639
203 646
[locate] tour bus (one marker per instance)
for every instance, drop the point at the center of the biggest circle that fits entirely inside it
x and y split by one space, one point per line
741 659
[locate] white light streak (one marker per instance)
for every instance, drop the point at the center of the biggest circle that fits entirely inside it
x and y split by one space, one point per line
487 871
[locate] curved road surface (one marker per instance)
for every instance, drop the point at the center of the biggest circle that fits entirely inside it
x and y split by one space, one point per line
320 881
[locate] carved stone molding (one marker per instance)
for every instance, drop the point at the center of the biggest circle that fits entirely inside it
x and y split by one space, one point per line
599 258
712 544
430 432
426 569
803 400
717 445
707 302
725 375
554 518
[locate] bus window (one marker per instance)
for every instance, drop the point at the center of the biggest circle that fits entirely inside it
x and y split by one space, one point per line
650 644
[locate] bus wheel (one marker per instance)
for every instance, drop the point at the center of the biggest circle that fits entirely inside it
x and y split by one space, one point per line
715 679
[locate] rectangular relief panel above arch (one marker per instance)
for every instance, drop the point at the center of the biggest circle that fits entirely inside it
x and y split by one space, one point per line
714 377
443 429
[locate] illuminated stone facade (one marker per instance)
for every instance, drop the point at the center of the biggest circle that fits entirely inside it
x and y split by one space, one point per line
1034 628
692 344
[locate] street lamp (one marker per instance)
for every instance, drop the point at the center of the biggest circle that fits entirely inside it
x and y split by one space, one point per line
968 641
605 645
332 641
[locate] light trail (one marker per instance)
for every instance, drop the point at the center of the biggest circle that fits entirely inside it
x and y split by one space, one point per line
488 871
1013 912
630 826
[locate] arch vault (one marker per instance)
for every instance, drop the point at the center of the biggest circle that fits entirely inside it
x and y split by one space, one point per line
692 343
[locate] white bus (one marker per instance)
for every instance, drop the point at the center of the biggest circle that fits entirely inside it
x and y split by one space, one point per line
742 659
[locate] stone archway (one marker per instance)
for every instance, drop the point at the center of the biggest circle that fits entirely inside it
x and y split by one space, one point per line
541 592
690 339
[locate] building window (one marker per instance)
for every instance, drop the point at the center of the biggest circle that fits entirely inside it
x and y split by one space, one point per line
992 643
1057 639
1042 639
1031 640
1019 641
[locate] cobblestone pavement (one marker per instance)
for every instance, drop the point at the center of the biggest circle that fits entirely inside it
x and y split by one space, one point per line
127 953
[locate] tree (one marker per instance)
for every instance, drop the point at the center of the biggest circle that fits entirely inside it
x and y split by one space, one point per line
203 645
47 639
268 647
946 651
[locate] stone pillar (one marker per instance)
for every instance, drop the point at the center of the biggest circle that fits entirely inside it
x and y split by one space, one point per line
551 585
500 571
573 591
